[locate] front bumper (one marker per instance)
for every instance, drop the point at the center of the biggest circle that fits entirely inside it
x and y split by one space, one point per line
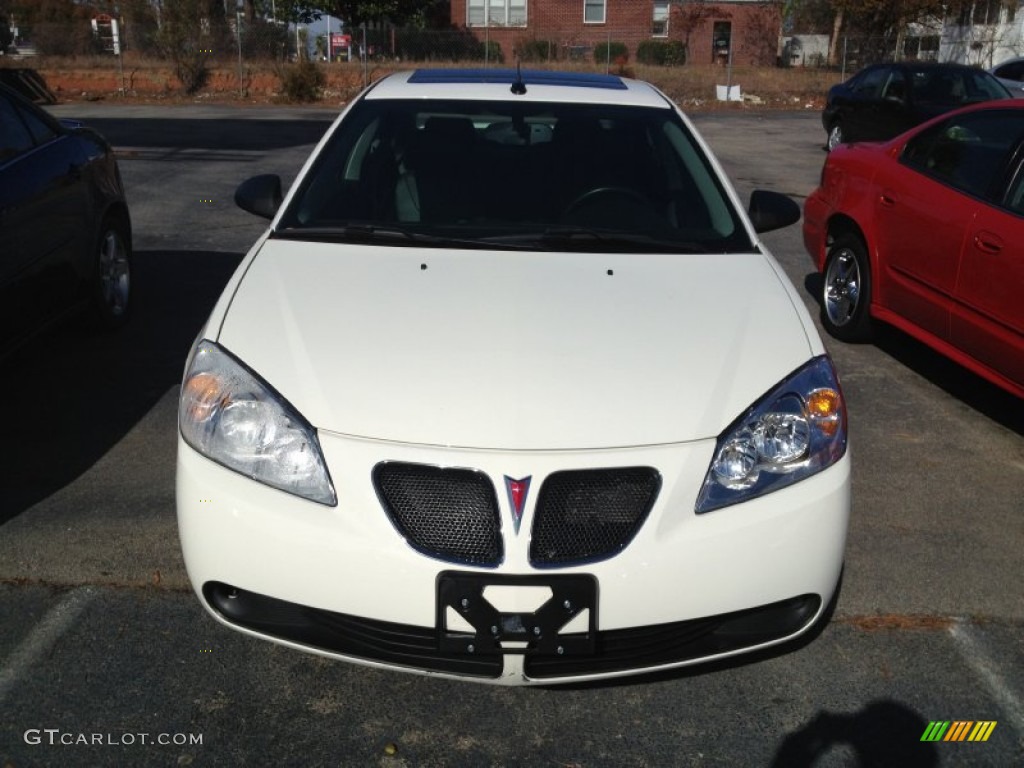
344 583
815 227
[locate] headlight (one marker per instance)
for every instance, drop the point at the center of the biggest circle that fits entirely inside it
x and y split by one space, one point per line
796 430
230 415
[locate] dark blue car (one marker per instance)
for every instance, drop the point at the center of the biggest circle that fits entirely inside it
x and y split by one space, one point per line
65 231
884 100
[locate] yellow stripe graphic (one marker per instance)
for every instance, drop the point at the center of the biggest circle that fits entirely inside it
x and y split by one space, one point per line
982 730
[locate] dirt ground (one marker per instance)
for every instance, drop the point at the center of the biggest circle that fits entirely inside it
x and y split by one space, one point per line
692 87
140 85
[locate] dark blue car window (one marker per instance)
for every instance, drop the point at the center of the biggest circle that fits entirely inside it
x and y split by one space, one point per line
869 86
14 135
40 130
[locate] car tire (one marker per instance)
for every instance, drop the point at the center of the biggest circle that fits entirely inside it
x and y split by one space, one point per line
113 273
836 136
846 290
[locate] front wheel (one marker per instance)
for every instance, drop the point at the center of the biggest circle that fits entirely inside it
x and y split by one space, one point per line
113 280
846 290
835 136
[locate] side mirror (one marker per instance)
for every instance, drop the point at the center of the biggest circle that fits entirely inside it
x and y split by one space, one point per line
772 210
260 195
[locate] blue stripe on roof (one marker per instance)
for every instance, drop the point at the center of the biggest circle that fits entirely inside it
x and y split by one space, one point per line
508 76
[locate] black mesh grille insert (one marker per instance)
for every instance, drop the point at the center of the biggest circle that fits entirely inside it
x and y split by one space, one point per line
450 514
587 515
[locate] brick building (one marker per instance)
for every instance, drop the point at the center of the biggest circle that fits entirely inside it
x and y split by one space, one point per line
574 28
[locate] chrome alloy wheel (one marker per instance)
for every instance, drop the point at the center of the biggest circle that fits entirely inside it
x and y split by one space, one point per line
114 273
842 287
835 136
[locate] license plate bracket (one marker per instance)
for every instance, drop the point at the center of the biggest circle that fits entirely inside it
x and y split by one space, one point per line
533 633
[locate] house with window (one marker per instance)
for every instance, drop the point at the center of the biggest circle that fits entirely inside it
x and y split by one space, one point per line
747 31
984 33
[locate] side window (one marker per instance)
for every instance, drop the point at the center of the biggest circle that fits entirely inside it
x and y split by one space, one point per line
896 88
968 152
870 85
40 130
14 135
1015 196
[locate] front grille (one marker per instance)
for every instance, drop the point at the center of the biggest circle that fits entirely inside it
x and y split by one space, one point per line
621 650
450 514
587 515
382 641
639 648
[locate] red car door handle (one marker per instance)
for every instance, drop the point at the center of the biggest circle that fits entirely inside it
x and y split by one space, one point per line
986 242
887 200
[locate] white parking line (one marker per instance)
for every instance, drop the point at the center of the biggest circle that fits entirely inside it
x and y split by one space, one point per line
978 659
43 637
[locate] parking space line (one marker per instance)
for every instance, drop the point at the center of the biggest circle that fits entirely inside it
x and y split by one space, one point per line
979 660
43 637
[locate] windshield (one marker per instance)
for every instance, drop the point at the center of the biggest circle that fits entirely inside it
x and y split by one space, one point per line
517 175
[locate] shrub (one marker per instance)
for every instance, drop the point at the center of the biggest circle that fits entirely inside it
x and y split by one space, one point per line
444 45
264 40
189 36
190 66
493 52
613 51
65 39
302 82
663 53
537 50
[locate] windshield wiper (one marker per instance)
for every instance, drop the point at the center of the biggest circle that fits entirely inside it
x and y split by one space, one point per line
585 238
375 233
346 233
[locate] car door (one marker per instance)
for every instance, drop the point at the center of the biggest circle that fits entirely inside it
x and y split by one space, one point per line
921 219
43 219
17 312
987 322
860 113
891 114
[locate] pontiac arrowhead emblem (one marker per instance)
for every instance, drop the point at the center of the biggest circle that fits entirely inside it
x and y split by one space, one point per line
517 492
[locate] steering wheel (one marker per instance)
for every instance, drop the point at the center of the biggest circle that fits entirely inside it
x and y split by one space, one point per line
597 193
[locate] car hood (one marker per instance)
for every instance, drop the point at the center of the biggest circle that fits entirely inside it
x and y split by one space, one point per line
515 350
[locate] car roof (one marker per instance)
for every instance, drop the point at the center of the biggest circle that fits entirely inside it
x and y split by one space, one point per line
1004 62
936 65
496 85
922 65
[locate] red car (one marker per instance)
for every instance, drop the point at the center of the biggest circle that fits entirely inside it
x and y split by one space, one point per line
926 232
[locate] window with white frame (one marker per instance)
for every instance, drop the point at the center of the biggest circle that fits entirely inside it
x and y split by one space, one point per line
496 13
659 26
594 11
987 11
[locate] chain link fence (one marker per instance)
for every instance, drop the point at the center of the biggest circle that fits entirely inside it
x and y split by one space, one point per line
236 53
852 53
260 40
193 51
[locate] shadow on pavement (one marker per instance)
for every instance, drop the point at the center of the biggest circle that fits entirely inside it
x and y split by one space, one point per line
253 135
74 392
884 733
